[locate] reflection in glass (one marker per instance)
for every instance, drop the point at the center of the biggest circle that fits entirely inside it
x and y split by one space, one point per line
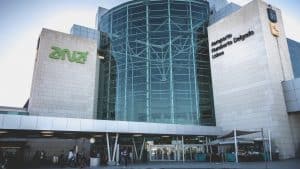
156 66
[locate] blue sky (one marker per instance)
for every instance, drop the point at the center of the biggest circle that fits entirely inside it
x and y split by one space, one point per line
22 20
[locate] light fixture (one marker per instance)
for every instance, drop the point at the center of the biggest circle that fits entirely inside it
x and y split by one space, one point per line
165 136
98 135
47 135
137 135
47 132
100 57
3 132
92 140
201 136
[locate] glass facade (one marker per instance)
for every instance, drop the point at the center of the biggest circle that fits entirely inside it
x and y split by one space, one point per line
228 9
84 32
294 49
13 111
156 66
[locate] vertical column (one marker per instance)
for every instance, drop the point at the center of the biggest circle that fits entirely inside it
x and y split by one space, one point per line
109 72
115 147
206 141
134 146
177 149
108 147
265 155
126 67
142 149
194 65
183 150
117 155
171 64
210 147
236 147
147 66
132 90
210 150
270 144
132 70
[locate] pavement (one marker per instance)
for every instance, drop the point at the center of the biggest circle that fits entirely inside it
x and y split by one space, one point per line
285 164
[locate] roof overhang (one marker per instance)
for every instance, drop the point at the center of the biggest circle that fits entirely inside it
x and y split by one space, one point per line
42 123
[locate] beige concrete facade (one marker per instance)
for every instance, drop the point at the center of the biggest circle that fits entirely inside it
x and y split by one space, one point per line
247 76
64 85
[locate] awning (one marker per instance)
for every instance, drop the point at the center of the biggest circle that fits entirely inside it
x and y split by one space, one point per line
231 141
238 133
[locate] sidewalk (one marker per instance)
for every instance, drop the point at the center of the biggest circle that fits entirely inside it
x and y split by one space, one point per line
287 164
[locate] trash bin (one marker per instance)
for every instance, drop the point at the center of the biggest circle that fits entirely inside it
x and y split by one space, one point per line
201 157
230 157
94 162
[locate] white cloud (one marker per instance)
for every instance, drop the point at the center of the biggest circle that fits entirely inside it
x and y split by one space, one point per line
240 2
16 71
291 25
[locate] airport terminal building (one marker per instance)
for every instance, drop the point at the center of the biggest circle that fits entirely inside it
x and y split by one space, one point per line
163 79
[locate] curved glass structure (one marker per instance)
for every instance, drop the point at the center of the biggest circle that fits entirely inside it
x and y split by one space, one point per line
156 65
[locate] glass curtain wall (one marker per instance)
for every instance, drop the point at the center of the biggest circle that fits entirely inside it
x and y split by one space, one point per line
294 49
156 62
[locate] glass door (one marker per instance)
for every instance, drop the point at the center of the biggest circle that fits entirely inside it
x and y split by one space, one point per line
162 153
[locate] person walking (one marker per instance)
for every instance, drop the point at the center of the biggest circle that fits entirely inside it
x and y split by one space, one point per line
71 158
125 155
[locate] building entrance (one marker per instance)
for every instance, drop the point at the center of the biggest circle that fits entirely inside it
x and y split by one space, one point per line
163 153
192 152
170 152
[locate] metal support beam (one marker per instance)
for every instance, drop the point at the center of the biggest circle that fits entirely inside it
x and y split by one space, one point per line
109 75
134 146
206 141
142 149
177 149
210 151
183 150
115 147
117 155
270 144
264 147
171 64
108 147
126 68
236 147
147 66
194 65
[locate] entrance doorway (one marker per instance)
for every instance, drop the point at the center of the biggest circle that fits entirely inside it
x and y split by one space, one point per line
163 153
169 152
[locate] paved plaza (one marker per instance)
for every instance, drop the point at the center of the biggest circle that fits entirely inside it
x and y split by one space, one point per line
286 164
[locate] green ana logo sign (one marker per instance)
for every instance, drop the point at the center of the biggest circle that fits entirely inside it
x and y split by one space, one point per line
73 56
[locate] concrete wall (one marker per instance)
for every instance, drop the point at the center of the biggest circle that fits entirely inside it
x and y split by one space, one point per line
294 119
247 77
62 88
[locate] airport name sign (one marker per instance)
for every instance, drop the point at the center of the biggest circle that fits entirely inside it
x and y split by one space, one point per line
227 41
72 56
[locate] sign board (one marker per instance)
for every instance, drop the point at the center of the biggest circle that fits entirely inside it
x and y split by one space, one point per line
72 56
